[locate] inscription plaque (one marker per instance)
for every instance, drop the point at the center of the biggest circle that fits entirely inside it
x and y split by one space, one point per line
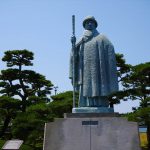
89 122
12 145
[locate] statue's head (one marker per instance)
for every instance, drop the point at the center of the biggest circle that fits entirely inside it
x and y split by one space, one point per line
89 23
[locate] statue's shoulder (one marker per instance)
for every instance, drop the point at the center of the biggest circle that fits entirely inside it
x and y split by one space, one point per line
104 38
101 36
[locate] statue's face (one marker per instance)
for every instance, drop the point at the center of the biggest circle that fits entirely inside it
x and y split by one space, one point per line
90 25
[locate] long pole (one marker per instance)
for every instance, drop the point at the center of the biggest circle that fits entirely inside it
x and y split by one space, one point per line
73 48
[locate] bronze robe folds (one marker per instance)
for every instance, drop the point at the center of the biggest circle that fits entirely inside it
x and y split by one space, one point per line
95 66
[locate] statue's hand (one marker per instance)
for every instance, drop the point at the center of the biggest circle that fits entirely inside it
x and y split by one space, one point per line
73 39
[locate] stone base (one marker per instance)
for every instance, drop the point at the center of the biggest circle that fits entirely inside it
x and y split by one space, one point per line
91 132
92 110
90 115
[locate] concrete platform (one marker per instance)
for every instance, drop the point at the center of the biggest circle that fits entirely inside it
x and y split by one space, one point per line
92 110
90 115
92 132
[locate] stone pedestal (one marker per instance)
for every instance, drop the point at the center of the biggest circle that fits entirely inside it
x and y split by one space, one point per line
91 132
92 110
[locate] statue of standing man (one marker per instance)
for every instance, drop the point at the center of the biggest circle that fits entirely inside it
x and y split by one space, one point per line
95 68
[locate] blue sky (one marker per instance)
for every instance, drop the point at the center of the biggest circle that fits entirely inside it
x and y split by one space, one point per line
44 27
